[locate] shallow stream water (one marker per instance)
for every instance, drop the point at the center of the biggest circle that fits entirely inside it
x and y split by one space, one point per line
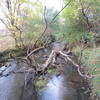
58 87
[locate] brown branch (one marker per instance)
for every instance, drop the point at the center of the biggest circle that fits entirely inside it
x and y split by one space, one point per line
41 35
35 50
78 67
49 60
81 52
85 16
20 33
47 24
53 55
60 12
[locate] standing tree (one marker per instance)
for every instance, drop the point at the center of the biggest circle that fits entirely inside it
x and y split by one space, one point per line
22 18
12 19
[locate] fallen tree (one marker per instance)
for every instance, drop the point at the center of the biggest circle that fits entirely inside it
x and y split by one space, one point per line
57 56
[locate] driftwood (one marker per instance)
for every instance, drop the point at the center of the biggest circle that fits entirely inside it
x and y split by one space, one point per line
58 49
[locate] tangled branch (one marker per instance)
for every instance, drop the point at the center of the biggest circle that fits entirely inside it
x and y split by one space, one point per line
52 56
47 24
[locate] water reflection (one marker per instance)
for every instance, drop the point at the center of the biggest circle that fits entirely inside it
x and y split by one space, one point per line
57 89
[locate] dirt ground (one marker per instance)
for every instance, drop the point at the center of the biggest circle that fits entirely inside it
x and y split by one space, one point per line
6 41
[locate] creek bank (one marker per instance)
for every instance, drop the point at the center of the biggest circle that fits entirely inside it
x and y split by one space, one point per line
9 55
26 74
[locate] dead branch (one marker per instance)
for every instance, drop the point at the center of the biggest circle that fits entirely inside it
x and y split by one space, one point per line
85 16
47 24
78 67
52 56
42 34
81 52
35 50
60 12
49 60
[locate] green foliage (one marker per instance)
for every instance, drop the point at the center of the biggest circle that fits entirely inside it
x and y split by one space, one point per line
76 21
70 26
91 58
32 21
73 32
70 14
90 36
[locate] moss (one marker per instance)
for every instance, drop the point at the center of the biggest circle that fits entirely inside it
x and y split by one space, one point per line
40 83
